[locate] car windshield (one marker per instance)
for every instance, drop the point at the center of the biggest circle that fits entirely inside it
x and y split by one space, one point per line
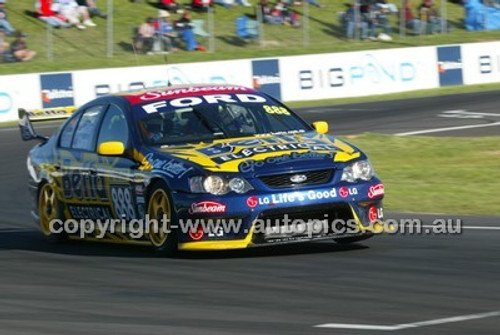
208 120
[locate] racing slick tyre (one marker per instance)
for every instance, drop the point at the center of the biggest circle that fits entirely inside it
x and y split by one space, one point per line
159 206
353 239
49 209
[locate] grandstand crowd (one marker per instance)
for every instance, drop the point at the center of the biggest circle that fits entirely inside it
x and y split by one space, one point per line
173 29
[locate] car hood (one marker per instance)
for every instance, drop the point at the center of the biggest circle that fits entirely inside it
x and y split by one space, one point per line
267 154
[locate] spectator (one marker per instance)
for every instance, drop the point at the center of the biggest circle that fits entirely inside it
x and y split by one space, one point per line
47 15
353 21
169 5
268 14
4 47
145 36
4 22
288 16
70 10
376 16
165 31
430 15
185 29
19 48
411 22
201 5
91 7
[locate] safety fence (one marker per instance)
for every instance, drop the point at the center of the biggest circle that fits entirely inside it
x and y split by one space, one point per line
290 78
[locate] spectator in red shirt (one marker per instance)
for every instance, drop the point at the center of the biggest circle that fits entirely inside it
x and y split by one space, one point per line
47 15
411 22
201 5
169 5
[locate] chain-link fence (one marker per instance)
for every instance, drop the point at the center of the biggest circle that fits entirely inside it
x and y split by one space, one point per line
291 25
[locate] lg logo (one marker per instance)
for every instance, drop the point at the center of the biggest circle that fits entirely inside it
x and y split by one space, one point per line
5 103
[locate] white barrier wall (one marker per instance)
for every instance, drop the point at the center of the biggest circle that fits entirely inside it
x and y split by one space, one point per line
92 83
18 91
358 73
481 62
308 77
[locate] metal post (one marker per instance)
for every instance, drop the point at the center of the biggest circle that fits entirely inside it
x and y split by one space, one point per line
109 29
211 29
402 19
444 17
305 24
357 21
50 43
260 22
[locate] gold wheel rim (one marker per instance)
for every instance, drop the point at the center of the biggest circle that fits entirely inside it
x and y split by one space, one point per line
48 208
158 209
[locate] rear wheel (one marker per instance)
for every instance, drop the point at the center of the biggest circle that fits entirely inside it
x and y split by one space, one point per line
49 209
160 211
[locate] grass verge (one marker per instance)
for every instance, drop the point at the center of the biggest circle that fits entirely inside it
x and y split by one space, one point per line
436 174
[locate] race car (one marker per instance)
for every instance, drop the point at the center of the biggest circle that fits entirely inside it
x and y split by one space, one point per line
221 167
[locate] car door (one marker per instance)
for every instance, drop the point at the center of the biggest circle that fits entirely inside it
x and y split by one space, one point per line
124 182
84 193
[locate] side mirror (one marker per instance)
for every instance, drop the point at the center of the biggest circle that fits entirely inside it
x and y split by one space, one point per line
111 148
321 127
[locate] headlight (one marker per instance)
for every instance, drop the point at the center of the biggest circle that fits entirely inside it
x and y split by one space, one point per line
218 185
358 170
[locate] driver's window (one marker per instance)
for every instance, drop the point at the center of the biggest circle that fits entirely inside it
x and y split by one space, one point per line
114 127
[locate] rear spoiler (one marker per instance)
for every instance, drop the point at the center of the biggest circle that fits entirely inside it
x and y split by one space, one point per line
25 118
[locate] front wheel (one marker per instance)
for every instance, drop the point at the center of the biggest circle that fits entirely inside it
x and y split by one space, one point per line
160 212
49 209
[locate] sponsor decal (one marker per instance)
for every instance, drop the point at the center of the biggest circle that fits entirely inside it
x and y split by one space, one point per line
189 101
156 95
171 167
344 192
450 66
252 202
373 214
197 234
123 202
88 188
5 103
266 77
286 198
51 113
251 165
82 212
57 90
229 151
207 207
376 191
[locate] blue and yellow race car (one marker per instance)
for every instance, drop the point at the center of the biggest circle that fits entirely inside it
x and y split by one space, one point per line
199 167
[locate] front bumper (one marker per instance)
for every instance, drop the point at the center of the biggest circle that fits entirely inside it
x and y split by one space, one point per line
236 221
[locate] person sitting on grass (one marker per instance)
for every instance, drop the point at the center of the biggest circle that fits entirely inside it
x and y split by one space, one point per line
4 22
269 15
91 7
20 50
4 47
410 21
353 22
165 31
47 15
185 29
145 36
70 10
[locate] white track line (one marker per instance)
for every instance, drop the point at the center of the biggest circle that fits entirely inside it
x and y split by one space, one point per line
468 227
426 323
439 130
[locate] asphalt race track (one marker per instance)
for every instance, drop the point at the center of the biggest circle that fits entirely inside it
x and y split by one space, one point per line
401 284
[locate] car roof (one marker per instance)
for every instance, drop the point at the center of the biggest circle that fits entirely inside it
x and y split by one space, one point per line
178 91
